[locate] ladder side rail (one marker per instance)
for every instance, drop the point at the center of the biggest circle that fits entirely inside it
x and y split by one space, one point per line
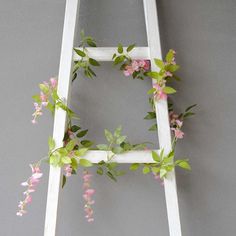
164 134
60 118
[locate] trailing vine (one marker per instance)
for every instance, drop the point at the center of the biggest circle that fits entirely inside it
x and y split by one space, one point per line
72 154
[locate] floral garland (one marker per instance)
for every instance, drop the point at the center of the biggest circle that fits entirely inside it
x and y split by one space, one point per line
70 156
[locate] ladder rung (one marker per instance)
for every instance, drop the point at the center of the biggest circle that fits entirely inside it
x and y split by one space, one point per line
129 157
106 53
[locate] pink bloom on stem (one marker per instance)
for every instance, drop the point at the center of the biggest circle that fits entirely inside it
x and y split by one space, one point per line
159 94
53 82
178 133
144 64
135 65
179 123
168 74
128 70
68 170
43 97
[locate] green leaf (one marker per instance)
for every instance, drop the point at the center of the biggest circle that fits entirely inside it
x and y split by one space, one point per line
70 146
86 143
93 62
183 164
63 181
172 68
130 47
120 48
114 55
108 135
91 43
81 152
102 147
169 56
120 140
187 114
155 170
36 98
100 171
155 157
118 131
134 166
169 90
85 163
153 74
190 107
151 91
51 143
74 128
151 115
74 164
65 160
79 52
153 127
119 59
163 173
146 170
44 88
82 133
159 63
111 175
55 95
117 150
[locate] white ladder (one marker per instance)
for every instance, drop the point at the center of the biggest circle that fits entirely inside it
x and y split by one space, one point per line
64 81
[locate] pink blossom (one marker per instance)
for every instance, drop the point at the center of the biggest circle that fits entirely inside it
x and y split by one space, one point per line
128 70
68 170
178 133
168 74
43 97
88 193
144 64
159 94
53 82
179 123
135 65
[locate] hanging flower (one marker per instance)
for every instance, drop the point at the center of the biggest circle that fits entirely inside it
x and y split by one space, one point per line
31 184
175 125
88 193
159 93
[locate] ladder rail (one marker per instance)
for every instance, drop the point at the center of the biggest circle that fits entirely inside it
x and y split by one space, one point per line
60 118
164 135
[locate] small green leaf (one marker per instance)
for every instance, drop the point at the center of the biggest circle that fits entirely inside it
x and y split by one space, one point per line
150 116
51 143
169 90
153 127
119 59
102 147
63 181
159 63
100 171
65 160
81 152
44 88
117 150
82 133
74 164
183 164
169 56
151 91
114 55
108 135
130 47
146 170
153 74
87 143
155 170
187 114
155 157
118 131
74 128
85 163
120 140
70 146
163 173
79 52
111 175
91 43
190 107
120 48
93 62
36 98
134 166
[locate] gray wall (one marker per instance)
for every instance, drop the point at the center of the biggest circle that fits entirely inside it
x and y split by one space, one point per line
204 35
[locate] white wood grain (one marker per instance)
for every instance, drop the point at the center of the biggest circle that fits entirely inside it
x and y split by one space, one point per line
106 53
164 135
64 81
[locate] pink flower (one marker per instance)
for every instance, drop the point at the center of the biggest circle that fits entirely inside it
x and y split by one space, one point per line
168 74
43 97
144 64
68 170
128 70
178 133
90 192
135 65
159 94
53 82
179 123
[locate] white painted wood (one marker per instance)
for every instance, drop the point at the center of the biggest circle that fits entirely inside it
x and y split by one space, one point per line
64 81
164 135
106 53
128 157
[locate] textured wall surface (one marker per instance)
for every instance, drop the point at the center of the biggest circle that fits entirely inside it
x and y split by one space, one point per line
204 35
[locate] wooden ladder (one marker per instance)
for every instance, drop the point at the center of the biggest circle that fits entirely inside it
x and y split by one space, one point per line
64 82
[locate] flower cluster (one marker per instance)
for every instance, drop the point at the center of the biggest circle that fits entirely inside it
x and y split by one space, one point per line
159 93
88 193
175 125
136 66
31 183
42 100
